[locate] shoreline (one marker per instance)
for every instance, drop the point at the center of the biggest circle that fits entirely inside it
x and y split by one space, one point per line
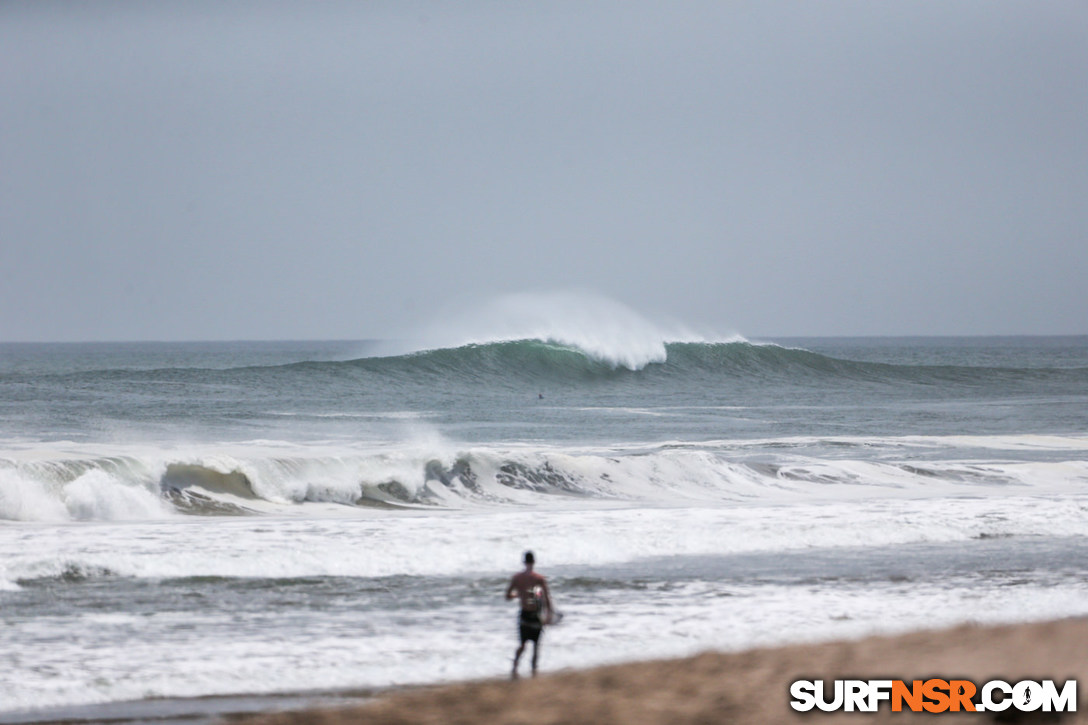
750 686
744 687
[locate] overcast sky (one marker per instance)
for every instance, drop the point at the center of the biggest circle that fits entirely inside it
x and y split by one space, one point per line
310 170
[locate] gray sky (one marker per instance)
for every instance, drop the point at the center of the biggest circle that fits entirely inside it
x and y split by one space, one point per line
345 169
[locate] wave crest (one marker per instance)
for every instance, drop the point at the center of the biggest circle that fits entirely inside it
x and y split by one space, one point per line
435 476
600 328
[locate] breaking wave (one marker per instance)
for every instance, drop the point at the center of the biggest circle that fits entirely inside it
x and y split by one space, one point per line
534 359
515 363
217 483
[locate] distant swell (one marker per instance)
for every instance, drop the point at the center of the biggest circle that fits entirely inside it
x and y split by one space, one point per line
522 360
514 364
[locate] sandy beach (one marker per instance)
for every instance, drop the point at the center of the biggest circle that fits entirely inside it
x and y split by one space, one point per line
745 687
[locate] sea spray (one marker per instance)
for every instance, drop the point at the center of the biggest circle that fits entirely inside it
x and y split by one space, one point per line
432 473
601 328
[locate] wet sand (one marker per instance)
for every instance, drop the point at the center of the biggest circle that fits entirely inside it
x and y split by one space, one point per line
745 687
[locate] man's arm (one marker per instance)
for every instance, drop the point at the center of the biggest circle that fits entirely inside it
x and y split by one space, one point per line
510 590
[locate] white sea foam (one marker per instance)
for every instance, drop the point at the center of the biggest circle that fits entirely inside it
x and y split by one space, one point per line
352 564
663 504
97 496
463 642
125 483
180 652
421 543
24 498
37 494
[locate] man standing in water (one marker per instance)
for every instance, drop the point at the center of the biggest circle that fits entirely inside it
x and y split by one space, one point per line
532 589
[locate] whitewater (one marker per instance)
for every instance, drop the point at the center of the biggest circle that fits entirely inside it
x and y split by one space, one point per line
224 520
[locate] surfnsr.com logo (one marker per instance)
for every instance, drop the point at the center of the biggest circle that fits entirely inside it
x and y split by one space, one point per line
933 695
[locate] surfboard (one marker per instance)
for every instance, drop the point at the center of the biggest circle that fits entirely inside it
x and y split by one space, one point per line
548 615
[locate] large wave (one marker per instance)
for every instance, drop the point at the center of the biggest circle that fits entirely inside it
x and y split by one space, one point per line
158 484
602 329
739 359
515 364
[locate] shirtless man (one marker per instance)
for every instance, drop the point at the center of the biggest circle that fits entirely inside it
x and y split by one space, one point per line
532 589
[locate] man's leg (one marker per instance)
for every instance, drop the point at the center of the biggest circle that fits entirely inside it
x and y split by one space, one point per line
517 657
536 649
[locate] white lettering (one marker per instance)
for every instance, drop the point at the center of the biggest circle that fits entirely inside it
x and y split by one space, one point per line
879 690
804 697
995 695
857 695
1065 701
1027 696
821 700
988 701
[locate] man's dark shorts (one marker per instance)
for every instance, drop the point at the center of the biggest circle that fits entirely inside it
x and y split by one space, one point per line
529 626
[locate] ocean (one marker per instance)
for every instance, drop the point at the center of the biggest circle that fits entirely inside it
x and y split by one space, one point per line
241 520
